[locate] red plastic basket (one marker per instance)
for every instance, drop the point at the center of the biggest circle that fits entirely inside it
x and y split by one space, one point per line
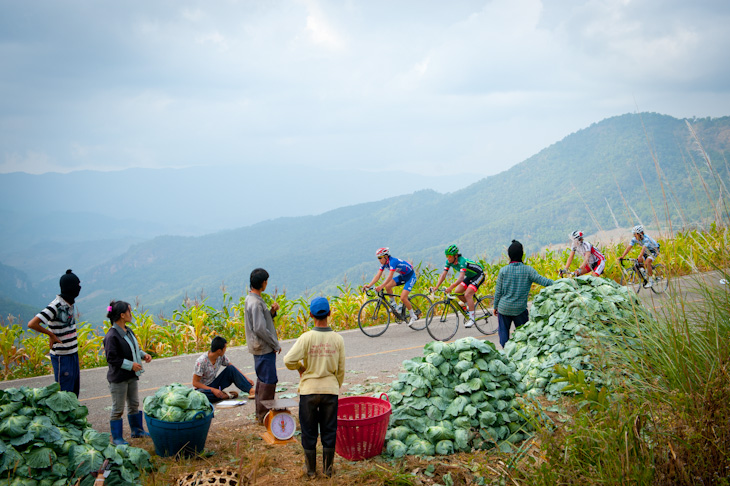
361 426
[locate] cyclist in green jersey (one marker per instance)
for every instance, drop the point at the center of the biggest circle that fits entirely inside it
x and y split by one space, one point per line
471 276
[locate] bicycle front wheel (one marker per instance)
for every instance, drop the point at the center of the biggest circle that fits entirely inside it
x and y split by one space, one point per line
442 320
373 318
483 319
631 278
421 303
661 281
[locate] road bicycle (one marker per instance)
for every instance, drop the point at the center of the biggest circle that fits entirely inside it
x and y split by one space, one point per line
375 314
442 319
635 276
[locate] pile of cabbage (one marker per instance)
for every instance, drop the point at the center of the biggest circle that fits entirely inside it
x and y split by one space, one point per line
456 397
45 440
565 318
177 403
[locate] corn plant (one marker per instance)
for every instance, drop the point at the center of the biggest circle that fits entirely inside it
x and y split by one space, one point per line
91 346
37 361
345 307
148 333
193 320
285 321
174 341
12 355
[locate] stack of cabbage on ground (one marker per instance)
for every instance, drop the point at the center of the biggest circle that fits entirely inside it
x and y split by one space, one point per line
45 440
458 396
565 318
177 403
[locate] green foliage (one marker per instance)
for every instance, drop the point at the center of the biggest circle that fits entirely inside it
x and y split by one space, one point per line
565 320
44 436
580 387
177 403
666 418
440 412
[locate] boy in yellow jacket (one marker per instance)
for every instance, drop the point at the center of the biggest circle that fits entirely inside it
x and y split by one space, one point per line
319 357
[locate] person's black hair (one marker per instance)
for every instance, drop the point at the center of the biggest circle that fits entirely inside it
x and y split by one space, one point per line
116 309
218 342
515 251
258 277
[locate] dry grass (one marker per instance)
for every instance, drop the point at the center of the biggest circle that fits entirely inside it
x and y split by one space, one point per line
235 442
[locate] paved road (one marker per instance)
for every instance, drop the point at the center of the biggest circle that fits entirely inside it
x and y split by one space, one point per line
368 359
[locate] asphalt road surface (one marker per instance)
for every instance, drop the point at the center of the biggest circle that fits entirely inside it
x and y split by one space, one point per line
369 360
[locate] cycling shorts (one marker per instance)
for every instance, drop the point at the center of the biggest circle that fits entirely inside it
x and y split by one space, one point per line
474 281
598 266
408 280
651 253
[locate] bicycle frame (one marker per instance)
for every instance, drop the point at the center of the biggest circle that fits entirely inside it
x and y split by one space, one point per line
382 294
465 311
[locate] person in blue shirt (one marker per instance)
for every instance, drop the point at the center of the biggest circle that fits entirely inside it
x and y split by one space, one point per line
400 273
648 254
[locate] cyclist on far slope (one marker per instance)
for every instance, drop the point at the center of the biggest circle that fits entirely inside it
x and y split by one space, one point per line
406 277
648 254
471 276
593 260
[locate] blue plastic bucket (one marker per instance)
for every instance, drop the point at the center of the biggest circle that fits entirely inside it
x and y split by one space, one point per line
184 438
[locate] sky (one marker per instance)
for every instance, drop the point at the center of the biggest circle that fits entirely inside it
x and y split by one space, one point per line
424 87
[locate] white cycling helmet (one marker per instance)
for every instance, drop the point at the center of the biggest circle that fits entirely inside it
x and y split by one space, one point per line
576 235
382 252
638 229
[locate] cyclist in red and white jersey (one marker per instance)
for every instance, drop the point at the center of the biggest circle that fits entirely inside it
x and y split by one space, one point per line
593 260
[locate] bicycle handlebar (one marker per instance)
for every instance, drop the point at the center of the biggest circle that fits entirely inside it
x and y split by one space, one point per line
632 260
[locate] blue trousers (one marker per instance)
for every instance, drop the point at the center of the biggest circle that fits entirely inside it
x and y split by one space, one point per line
318 416
506 321
67 372
265 366
229 376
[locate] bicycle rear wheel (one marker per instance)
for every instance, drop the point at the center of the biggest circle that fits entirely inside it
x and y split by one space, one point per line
631 278
442 320
373 318
661 281
421 303
483 318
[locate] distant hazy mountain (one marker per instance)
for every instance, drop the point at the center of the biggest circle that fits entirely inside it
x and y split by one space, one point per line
601 177
52 221
15 287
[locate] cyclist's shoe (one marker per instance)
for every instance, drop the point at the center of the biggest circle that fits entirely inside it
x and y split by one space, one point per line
411 321
469 323
649 283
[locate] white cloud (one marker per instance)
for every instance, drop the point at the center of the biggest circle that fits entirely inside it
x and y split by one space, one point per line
483 83
322 33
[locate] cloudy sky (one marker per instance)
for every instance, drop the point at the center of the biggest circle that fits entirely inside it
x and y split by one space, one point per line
425 87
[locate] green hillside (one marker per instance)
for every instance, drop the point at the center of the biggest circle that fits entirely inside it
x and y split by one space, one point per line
566 186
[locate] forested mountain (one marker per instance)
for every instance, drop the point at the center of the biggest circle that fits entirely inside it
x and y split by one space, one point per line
627 169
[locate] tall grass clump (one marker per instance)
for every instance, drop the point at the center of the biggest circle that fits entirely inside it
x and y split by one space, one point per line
665 417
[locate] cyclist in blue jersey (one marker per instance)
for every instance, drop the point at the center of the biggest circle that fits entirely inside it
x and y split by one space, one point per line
648 254
471 276
401 273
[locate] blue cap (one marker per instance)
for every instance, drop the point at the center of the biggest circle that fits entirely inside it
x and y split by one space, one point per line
319 307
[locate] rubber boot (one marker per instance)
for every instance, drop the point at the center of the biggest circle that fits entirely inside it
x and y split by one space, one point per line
310 462
117 428
328 458
135 423
264 392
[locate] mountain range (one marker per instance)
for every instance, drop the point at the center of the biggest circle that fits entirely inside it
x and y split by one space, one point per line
632 168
